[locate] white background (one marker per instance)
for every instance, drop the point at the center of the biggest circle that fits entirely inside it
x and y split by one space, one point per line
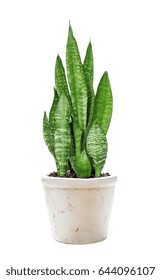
126 42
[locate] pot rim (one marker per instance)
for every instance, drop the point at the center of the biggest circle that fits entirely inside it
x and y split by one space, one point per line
63 182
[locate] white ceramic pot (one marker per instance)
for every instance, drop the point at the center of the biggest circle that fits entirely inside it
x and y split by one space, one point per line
79 209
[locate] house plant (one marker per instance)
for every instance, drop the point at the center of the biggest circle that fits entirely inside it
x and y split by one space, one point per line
78 197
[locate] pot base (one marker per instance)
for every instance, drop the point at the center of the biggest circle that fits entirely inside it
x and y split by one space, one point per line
80 243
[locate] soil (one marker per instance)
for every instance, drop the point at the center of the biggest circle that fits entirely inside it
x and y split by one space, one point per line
71 174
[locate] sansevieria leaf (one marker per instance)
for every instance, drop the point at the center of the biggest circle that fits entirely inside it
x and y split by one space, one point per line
48 134
82 165
88 71
62 135
103 104
77 83
60 78
88 63
52 110
97 147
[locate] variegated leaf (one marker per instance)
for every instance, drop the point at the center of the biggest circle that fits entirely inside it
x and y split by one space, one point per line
88 64
48 134
76 79
60 78
62 135
103 104
88 71
52 110
97 147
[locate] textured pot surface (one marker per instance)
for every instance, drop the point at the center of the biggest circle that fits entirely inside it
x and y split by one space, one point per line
79 209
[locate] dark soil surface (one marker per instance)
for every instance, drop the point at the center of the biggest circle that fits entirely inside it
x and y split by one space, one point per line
71 174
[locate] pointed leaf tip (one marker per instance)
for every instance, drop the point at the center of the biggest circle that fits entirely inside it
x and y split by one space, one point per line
45 115
58 59
105 74
70 32
104 78
90 44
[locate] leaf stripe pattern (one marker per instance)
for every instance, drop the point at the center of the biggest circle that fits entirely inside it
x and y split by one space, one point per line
48 134
52 110
88 71
103 104
62 135
97 147
60 79
88 64
76 79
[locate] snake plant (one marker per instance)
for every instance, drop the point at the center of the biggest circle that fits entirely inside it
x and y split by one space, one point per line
75 130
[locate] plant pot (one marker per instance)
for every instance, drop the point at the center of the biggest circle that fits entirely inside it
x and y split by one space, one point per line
79 209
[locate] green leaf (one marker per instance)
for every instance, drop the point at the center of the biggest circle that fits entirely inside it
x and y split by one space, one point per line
88 71
52 110
76 79
72 162
97 147
60 78
77 138
103 104
72 142
88 64
48 134
62 135
82 165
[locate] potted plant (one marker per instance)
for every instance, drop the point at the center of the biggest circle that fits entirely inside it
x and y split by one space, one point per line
79 198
